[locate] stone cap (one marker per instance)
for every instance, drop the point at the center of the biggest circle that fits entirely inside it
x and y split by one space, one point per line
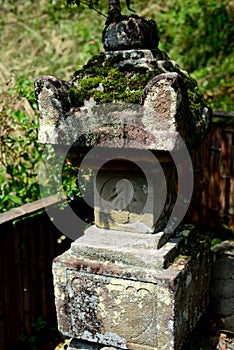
170 108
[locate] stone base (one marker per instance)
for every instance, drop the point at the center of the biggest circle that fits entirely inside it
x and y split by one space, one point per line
122 296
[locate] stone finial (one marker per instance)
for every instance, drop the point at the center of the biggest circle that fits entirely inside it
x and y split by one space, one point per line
130 32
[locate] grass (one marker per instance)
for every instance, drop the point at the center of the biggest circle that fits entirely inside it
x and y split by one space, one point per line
46 39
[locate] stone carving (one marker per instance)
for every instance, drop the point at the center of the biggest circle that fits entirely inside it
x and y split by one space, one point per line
106 304
133 202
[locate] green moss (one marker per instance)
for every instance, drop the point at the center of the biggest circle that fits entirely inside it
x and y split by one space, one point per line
100 79
90 83
196 101
75 97
104 82
185 257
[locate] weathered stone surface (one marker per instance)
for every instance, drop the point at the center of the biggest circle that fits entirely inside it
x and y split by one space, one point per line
131 32
134 200
148 59
126 249
83 114
51 94
125 306
166 111
222 285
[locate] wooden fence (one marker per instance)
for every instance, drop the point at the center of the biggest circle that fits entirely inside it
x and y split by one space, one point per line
213 163
28 246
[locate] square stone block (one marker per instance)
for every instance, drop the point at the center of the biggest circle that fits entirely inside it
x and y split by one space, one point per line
130 200
130 306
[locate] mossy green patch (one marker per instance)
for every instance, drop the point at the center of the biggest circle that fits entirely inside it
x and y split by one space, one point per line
101 79
179 257
105 82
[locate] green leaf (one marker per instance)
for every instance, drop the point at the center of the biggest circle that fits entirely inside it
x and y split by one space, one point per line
215 241
15 199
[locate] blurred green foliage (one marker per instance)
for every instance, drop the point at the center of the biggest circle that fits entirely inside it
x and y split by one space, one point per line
19 148
21 154
199 36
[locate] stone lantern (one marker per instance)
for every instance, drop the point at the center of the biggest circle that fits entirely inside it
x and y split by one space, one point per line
137 278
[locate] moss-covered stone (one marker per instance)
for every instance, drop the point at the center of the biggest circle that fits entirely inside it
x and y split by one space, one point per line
196 100
170 98
106 82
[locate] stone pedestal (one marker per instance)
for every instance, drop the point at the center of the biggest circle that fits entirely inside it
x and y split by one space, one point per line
118 289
